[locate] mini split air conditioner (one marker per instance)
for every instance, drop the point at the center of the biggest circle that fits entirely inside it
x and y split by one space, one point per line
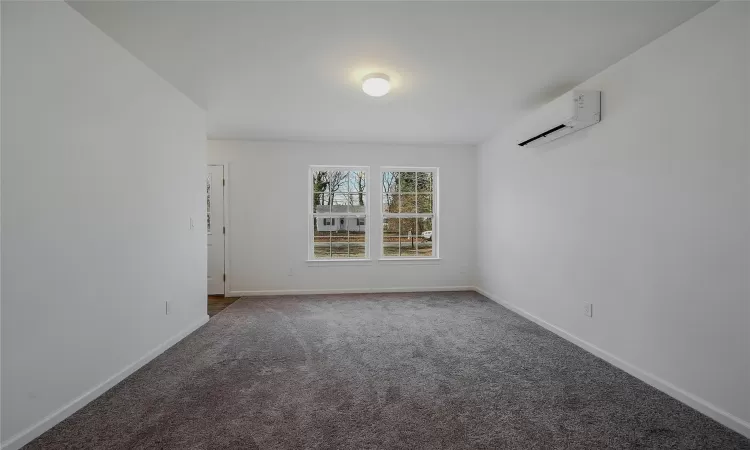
573 111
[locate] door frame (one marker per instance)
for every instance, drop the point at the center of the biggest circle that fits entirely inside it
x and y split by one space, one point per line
225 188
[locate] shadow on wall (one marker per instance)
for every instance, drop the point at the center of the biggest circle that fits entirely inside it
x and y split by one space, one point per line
546 95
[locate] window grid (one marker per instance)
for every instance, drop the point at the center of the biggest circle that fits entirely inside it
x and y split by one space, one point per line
349 196
408 209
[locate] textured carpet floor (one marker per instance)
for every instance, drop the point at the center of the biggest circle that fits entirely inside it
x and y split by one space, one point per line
412 371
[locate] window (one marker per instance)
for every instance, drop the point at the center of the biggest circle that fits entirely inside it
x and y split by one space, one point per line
338 213
409 199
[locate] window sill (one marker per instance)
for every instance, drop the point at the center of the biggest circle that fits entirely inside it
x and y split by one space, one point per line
410 261
339 262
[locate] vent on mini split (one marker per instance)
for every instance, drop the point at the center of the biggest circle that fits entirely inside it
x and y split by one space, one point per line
541 135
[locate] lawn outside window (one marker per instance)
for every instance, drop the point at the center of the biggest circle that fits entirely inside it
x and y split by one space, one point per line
410 213
338 213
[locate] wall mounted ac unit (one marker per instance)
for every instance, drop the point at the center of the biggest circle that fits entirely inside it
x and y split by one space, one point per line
573 111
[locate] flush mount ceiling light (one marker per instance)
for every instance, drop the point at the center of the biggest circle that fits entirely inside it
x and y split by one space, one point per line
376 84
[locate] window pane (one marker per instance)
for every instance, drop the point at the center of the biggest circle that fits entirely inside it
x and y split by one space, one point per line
340 200
390 203
424 203
408 237
408 203
339 249
357 182
424 181
319 180
337 181
356 251
355 236
357 227
324 200
409 250
321 240
424 226
340 203
390 182
320 202
332 203
330 181
357 203
322 224
390 237
408 181
340 239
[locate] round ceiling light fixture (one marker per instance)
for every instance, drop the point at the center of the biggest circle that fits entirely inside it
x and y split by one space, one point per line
376 84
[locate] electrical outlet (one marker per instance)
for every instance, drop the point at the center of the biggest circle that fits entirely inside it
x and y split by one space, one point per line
291 272
192 223
588 309
166 307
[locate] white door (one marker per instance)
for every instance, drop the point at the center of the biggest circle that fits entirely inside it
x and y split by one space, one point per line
216 230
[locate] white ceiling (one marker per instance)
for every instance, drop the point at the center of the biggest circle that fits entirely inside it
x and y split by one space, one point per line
292 70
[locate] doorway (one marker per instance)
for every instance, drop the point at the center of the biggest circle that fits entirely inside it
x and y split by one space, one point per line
216 229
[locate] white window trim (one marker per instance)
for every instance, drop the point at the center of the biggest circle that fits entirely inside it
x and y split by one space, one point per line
209 205
311 215
435 258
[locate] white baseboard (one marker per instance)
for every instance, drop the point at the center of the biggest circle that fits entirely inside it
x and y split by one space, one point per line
695 402
350 291
36 430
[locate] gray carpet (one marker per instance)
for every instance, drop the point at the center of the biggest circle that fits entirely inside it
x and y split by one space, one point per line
413 371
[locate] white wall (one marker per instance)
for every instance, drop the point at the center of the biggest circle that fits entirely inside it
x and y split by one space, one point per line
103 163
1 302
267 228
646 215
